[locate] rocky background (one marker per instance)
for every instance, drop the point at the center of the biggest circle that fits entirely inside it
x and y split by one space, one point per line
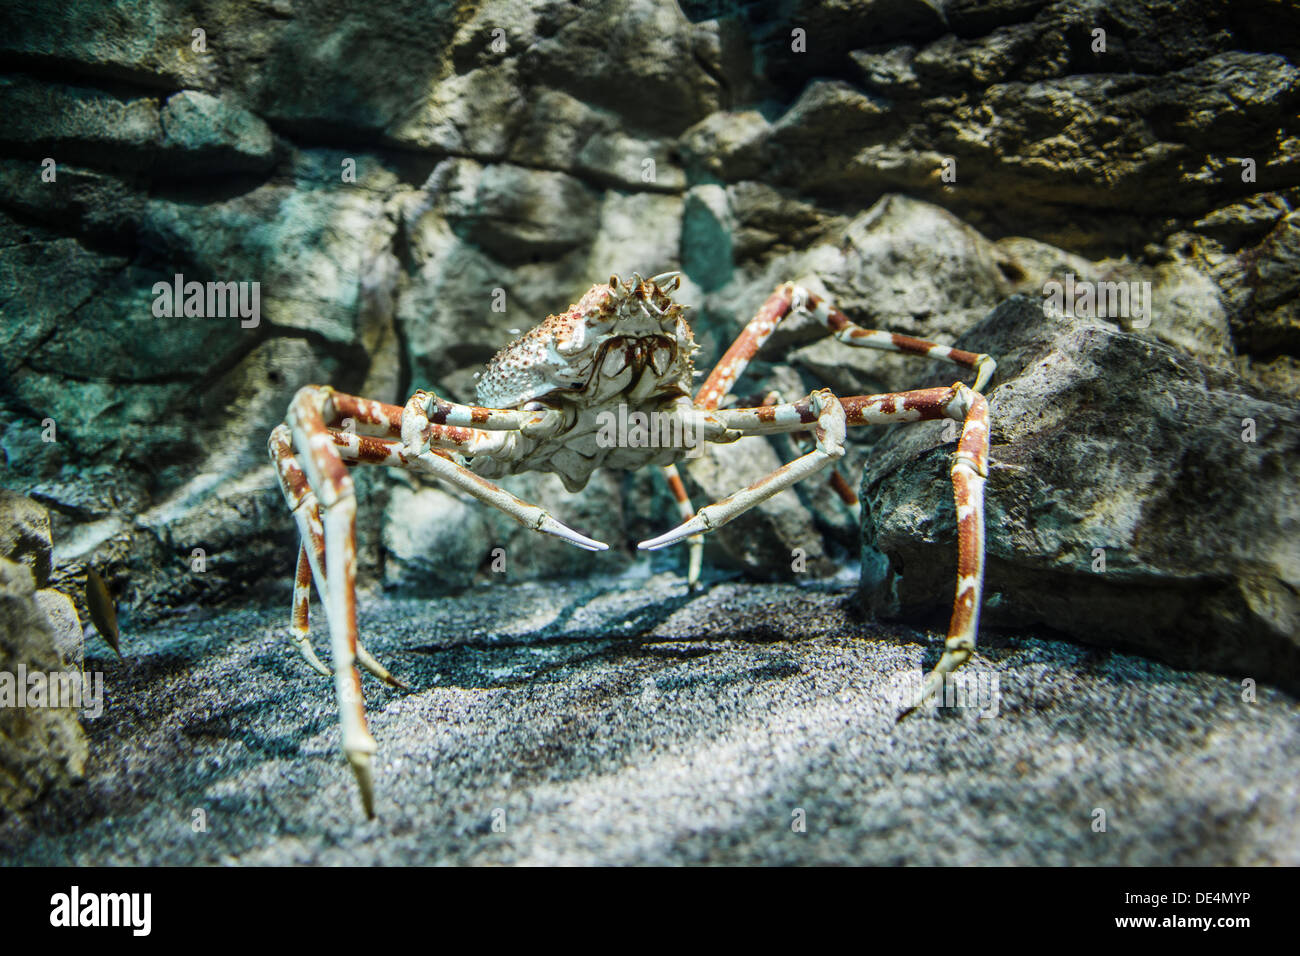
384 170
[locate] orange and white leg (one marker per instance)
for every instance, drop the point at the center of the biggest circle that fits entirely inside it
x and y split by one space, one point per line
696 560
300 625
722 379
311 555
848 332
418 425
970 469
329 481
311 455
826 416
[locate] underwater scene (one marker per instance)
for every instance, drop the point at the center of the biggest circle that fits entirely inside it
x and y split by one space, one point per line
650 432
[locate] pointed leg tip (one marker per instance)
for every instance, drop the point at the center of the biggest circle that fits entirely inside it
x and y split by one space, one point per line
372 666
664 540
552 527
363 770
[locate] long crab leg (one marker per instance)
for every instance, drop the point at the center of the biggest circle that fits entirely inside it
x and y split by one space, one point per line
736 359
789 297
416 427
311 555
687 511
848 332
329 479
300 624
438 411
837 482
310 460
969 472
970 469
828 420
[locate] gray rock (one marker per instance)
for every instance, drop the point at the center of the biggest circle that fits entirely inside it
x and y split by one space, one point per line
74 123
1104 440
1267 317
433 541
42 748
25 535
518 213
907 267
207 134
725 144
633 56
65 626
192 133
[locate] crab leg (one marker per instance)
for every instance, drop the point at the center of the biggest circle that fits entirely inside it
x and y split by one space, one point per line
306 511
299 623
364 411
846 331
439 411
837 482
528 515
737 358
969 472
687 511
970 468
328 477
828 415
385 451
417 424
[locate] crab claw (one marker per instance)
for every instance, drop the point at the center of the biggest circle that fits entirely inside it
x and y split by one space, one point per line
697 525
548 525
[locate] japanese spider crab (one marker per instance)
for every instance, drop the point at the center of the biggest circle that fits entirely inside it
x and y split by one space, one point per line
542 400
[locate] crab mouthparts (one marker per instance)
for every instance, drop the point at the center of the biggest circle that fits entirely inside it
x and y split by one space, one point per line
639 353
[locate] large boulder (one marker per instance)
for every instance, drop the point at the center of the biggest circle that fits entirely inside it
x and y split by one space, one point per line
1136 498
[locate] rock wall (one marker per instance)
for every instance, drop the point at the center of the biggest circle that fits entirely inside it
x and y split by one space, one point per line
390 172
